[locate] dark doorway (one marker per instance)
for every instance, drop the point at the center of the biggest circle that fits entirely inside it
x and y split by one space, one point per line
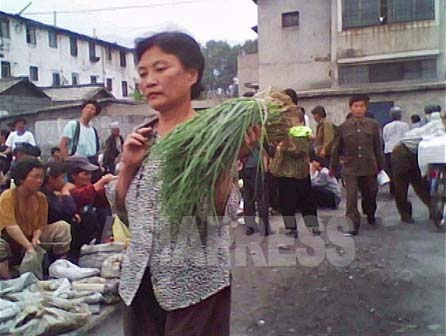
381 111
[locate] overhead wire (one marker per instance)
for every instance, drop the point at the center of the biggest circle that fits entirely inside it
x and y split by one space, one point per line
93 10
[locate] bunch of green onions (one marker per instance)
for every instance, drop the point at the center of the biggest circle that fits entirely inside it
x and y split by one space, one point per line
196 153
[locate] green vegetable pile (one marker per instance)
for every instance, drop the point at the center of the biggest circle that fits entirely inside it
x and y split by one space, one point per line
199 151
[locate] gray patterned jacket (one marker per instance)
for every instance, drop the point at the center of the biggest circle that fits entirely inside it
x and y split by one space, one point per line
185 270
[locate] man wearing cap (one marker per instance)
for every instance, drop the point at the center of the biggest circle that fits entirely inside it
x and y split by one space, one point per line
393 132
20 135
91 203
113 148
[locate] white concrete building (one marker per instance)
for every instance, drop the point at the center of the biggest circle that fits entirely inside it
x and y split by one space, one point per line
52 56
393 50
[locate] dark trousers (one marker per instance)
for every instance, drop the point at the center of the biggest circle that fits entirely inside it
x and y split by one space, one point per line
145 317
255 192
368 186
406 172
325 199
273 191
297 194
389 172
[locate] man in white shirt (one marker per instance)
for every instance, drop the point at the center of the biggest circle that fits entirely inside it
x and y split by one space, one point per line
326 189
393 132
20 135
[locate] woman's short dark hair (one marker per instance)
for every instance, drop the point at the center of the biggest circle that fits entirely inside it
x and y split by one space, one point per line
182 46
20 119
414 118
320 110
92 102
54 150
54 169
320 160
22 168
358 98
292 94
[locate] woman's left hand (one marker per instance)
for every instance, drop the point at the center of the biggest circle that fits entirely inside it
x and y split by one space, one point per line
252 137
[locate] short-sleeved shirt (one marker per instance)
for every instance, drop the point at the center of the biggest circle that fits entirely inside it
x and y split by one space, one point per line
14 138
393 132
14 213
86 145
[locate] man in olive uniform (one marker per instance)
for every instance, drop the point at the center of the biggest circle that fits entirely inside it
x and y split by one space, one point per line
358 146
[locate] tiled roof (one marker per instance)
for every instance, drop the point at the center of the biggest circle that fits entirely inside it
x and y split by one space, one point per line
76 93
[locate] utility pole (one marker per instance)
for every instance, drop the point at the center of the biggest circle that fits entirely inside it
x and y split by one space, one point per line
25 8
55 18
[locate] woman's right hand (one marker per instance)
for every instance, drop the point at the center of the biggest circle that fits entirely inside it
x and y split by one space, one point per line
135 147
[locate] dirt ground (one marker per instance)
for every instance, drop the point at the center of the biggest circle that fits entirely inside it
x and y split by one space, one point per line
388 280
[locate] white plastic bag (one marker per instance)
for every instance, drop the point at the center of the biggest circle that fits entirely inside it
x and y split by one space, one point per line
383 178
431 150
65 269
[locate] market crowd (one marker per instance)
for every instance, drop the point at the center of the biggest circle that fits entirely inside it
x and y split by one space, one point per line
64 203
60 204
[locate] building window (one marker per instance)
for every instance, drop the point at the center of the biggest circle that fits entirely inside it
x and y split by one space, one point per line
93 79
388 72
290 19
74 78
73 46
92 52
125 92
4 28
108 52
362 13
56 79
52 38
109 84
33 73
122 58
6 69
31 35
409 10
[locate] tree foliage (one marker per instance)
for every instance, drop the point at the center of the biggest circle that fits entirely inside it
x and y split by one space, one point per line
221 62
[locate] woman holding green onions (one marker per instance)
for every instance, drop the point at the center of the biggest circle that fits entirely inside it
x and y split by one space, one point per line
173 284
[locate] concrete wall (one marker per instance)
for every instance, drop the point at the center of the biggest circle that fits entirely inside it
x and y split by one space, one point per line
247 71
22 55
297 57
397 40
307 57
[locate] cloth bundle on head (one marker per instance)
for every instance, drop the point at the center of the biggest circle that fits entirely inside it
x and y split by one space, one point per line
300 131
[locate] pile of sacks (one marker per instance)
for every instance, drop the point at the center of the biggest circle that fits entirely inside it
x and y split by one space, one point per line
31 307
108 259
